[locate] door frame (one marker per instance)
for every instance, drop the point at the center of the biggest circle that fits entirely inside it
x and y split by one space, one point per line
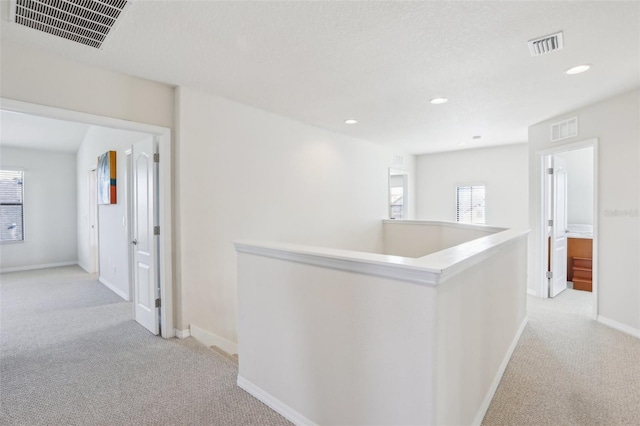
94 235
163 135
542 158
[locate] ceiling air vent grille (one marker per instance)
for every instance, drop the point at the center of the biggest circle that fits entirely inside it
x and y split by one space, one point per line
564 129
83 21
546 44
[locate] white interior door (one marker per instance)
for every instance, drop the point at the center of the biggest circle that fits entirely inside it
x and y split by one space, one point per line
145 271
558 281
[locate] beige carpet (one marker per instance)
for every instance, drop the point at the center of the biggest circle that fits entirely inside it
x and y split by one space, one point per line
569 370
71 354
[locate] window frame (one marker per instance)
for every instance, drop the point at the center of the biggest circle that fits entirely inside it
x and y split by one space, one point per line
22 172
457 203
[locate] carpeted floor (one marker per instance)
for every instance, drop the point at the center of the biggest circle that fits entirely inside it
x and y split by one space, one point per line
71 354
569 370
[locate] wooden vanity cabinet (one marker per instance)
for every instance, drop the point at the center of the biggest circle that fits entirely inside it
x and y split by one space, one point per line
579 263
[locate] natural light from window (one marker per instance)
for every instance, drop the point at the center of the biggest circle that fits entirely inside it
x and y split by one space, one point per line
470 204
11 205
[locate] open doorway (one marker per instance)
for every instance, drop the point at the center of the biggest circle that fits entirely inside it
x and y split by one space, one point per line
398 194
569 204
158 282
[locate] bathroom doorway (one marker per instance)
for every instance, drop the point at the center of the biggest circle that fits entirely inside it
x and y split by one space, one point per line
569 202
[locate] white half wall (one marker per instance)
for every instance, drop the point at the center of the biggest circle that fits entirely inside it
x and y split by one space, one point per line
616 125
112 225
579 185
243 173
503 169
49 209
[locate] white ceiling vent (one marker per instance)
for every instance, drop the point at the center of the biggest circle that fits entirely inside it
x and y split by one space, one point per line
546 44
83 21
564 129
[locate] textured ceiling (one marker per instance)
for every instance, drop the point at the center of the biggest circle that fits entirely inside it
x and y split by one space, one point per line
378 62
28 131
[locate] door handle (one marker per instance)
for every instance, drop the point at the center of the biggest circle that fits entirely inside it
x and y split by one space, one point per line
134 242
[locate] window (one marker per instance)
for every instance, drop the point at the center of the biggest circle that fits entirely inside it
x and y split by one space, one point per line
11 208
470 204
397 202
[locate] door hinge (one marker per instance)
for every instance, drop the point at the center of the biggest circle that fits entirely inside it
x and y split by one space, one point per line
550 222
158 303
549 275
156 158
550 171
156 230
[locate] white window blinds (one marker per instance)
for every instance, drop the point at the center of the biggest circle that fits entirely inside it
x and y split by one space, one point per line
470 204
11 205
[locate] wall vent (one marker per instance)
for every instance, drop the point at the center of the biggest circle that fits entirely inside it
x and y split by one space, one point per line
83 21
546 44
564 129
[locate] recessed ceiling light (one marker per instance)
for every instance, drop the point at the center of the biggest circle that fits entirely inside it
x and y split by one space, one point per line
437 101
476 137
350 121
578 69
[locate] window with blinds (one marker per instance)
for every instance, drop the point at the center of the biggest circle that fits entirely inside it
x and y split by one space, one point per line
470 204
11 205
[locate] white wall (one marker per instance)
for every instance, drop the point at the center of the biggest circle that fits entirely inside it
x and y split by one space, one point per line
579 185
49 208
503 169
420 238
78 87
247 173
112 229
616 125
340 346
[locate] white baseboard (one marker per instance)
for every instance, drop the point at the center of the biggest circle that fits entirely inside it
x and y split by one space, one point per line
532 292
114 288
619 326
183 334
32 267
496 380
211 339
86 269
275 404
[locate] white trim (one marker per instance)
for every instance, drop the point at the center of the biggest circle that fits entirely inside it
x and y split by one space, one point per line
431 270
378 268
183 334
165 180
482 411
532 292
86 269
619 326
114 289
274 403
32 267
211 339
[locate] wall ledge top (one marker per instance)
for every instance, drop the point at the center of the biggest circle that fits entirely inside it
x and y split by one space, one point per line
431 270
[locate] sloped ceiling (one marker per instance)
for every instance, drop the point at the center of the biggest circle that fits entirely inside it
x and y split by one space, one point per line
378 62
